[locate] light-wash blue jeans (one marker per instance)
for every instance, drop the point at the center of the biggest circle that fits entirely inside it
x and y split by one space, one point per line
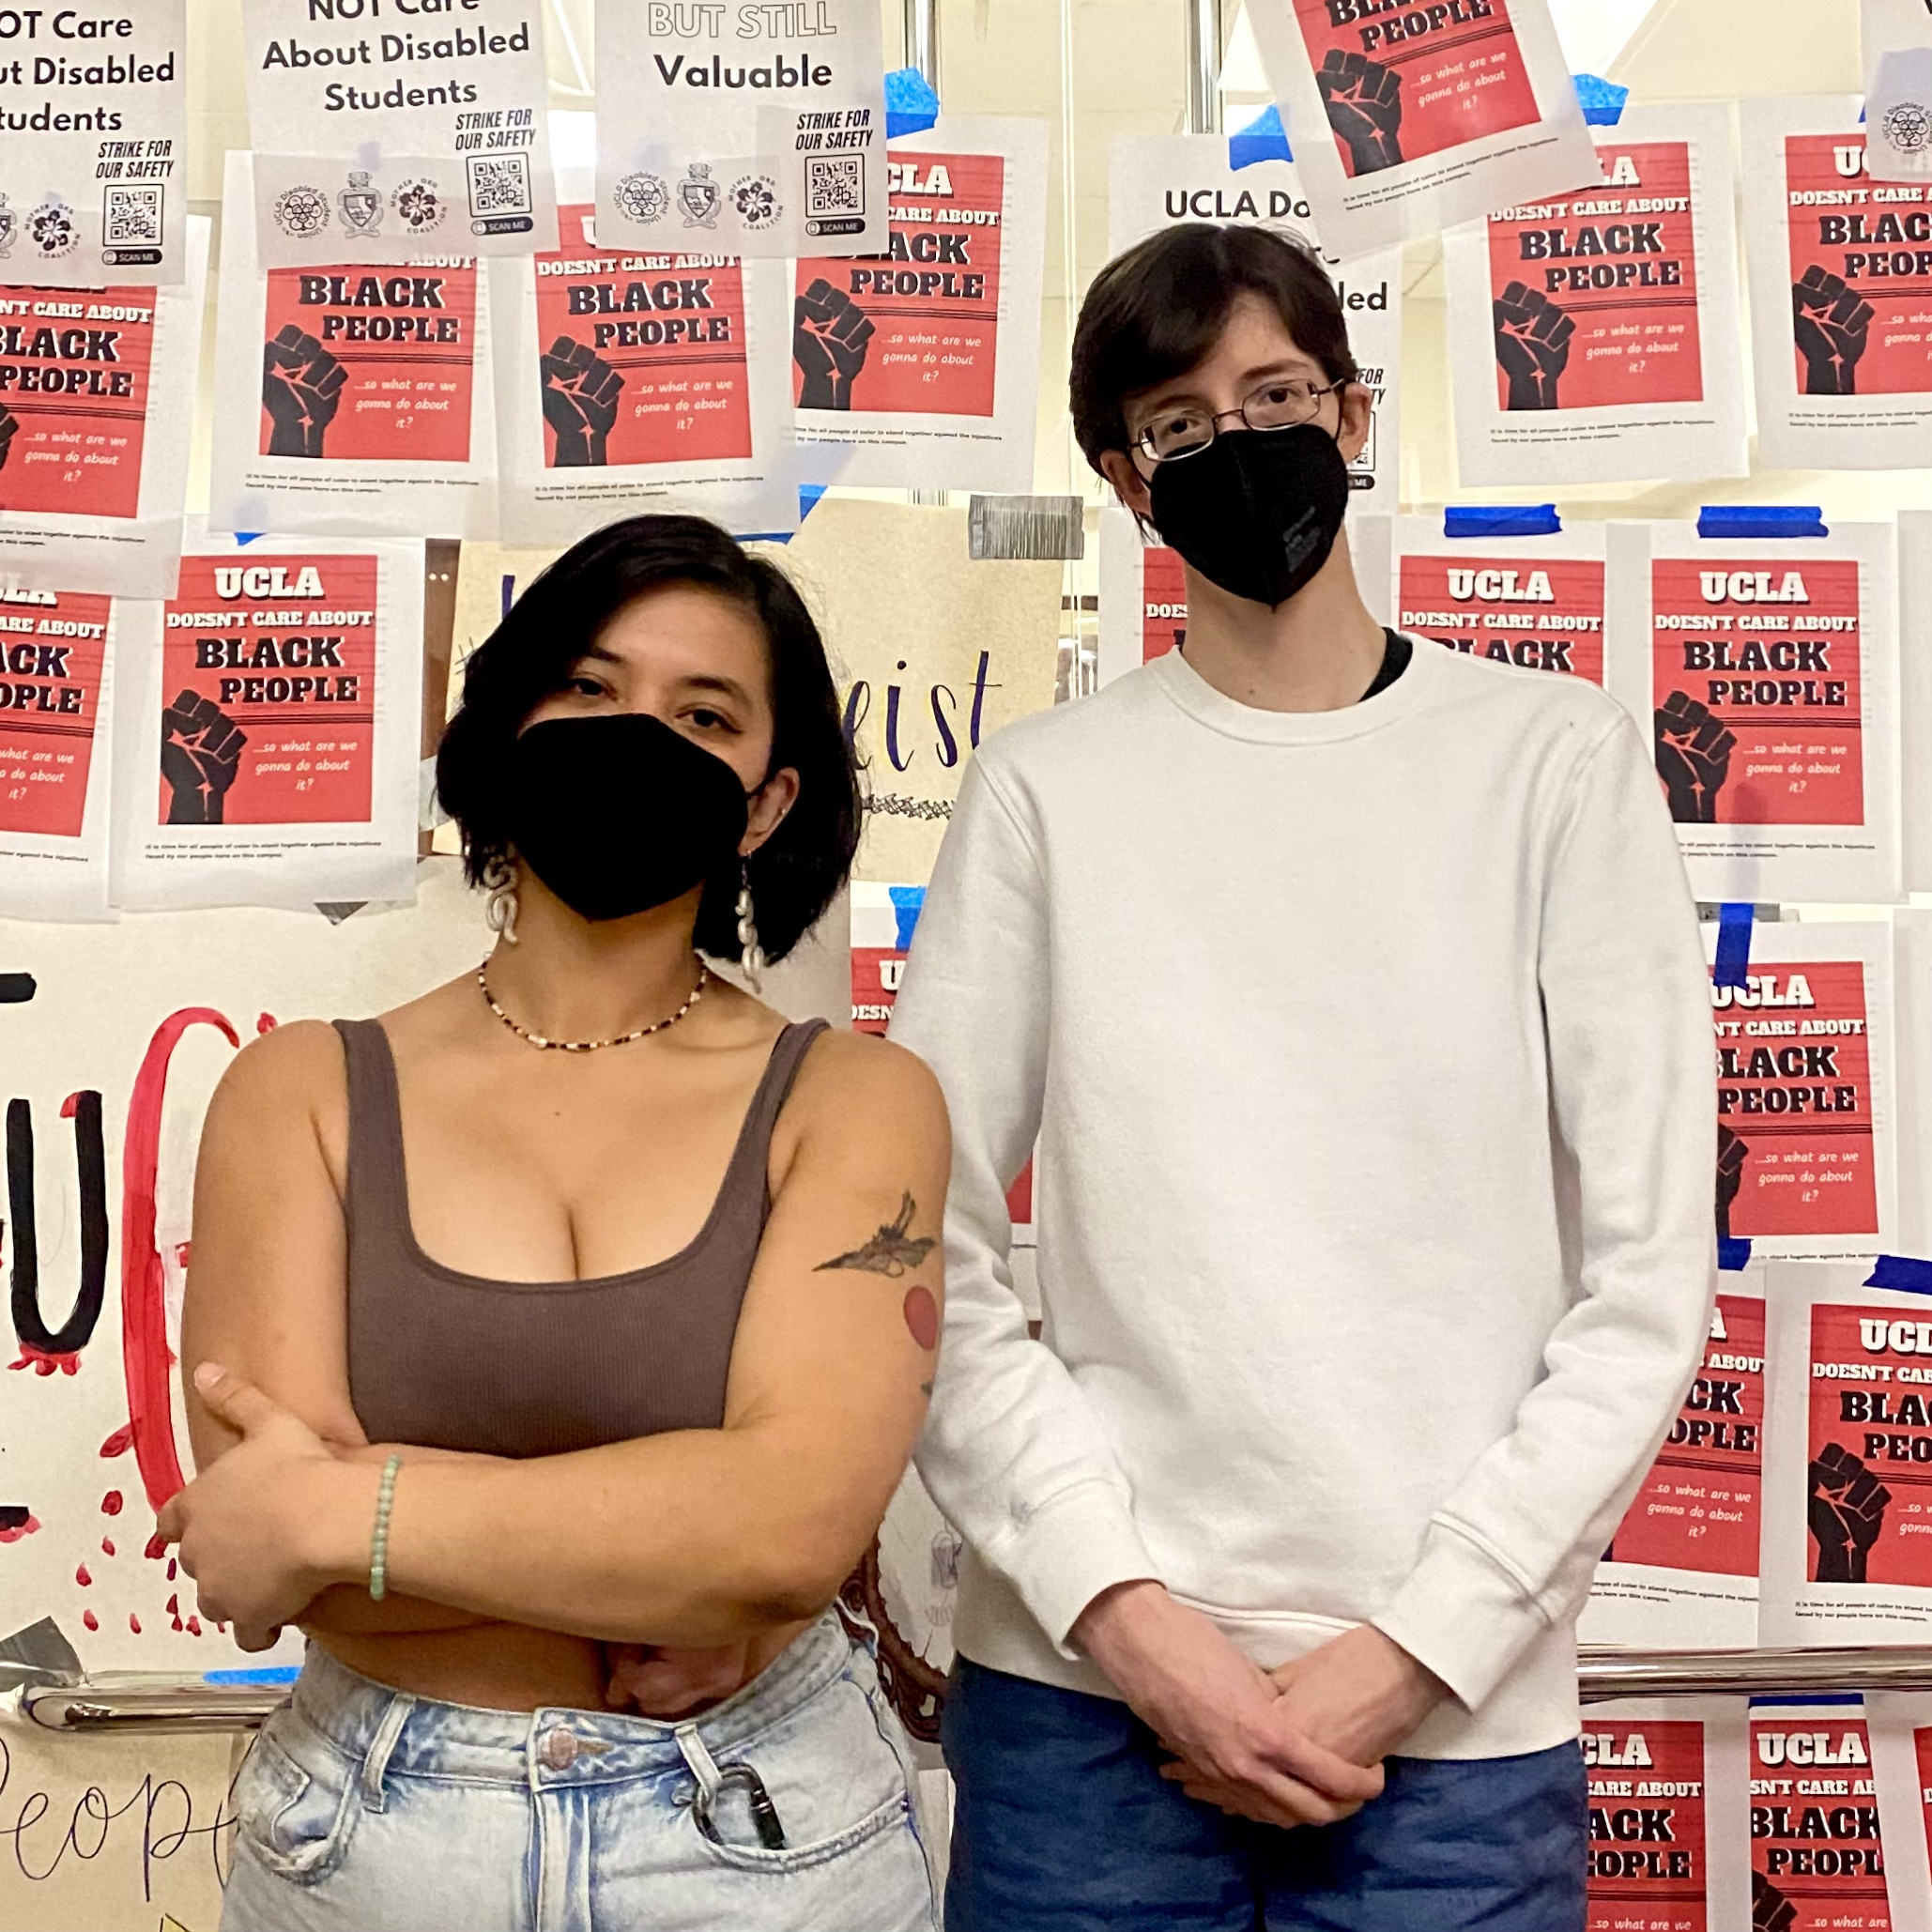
788 1808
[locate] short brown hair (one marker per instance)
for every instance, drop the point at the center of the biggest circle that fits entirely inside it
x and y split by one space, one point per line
1156 311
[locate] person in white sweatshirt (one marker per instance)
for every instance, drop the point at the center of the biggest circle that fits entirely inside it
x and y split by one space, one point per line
1352 990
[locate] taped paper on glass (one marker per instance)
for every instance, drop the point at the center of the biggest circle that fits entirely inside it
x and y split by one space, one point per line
57 740
1806 1054
919 368
1841 285
1536 603
758 130
632 383
1157 181
97 414
379 143
1768 668
96 104
1900 1727
1682 1571
374 415
1405 120
1669 1804
1594 338
266 739
1897 45
1818 1849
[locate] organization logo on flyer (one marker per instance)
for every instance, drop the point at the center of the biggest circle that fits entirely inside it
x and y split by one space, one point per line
698 196
755 199
53 228
1647 1822
1817 1859
643 198
1543 615
300 212
418 205
53 651
359 205
1907 126
9 228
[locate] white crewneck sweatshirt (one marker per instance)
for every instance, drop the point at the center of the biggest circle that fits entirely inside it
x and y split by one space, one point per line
1368 1052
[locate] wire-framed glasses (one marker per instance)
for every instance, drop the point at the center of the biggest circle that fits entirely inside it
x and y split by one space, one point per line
1187 429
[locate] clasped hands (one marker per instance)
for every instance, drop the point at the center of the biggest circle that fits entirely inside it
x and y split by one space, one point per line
1300 1745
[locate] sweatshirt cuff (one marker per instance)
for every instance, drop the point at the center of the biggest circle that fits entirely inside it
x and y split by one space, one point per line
1067 1552
1460 1615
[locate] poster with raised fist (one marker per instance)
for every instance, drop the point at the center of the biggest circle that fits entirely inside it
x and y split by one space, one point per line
1406 116
267 739
1593 337
375 413
920 367
1841 289
1818 1845
1144 596
631 382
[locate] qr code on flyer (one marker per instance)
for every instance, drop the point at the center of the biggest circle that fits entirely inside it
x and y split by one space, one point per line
835 185
131 218
499 184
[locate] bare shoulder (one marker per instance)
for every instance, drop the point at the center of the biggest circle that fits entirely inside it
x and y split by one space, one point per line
860 1085
290 1073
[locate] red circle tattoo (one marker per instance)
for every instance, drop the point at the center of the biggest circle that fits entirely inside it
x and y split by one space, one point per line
922 1317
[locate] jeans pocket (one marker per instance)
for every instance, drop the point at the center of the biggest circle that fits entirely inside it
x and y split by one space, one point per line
295 1801
739 1850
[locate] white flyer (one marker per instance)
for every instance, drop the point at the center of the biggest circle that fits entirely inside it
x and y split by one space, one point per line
384 138
919 367
56 751
758 128
1769 669
1594 338
94 187
1915 694
1538 602
1900 1722
1156 181
1406 119
1841 287
96 415
629 383
267 734
1896 44
374 415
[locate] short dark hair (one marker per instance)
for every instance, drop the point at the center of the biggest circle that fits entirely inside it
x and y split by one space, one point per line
799 870
1156 311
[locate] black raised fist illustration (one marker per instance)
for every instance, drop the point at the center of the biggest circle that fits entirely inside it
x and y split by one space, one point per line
1771 1911
9 425
1363 99
301 388
1829 321
580 392
201 748
1846 1510
1532 345
1733 1151
830 334
1693 758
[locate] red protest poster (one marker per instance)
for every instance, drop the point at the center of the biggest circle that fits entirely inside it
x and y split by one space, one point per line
1647 1825
74 369
1759 695
1861 272
370 364
915 332
1869 1485
269 692
1794 1103
53 645
642 356
1698 1507
1817 1858
1595 298
1163 602
1546 616
1404 79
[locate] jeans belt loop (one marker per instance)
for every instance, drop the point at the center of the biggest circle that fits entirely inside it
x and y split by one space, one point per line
376 1759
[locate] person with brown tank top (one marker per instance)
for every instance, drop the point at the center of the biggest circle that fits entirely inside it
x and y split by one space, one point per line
557 1338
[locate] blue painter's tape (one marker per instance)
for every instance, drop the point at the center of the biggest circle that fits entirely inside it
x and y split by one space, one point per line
242 537
1732 946
1733 1256
1264 139
907 902
911 104
1727 520
1501 520
1602 100
279 1674
1903 1272
1809 1697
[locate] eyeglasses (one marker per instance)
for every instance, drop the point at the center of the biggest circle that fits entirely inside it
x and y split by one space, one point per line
1187 429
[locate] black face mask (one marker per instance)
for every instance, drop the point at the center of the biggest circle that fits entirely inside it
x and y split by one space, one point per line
1256 512
620 813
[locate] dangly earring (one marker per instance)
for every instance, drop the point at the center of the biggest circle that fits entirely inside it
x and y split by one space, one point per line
499 914
751 959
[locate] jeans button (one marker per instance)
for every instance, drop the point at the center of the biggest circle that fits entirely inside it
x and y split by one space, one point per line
559 1749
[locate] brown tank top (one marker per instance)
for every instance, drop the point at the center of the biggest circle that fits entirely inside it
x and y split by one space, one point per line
448 1360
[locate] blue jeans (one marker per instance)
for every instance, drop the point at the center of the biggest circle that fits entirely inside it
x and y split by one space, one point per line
1062 1824
363 1809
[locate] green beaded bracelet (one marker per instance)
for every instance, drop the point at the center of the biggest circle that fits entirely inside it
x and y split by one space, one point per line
378 1541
